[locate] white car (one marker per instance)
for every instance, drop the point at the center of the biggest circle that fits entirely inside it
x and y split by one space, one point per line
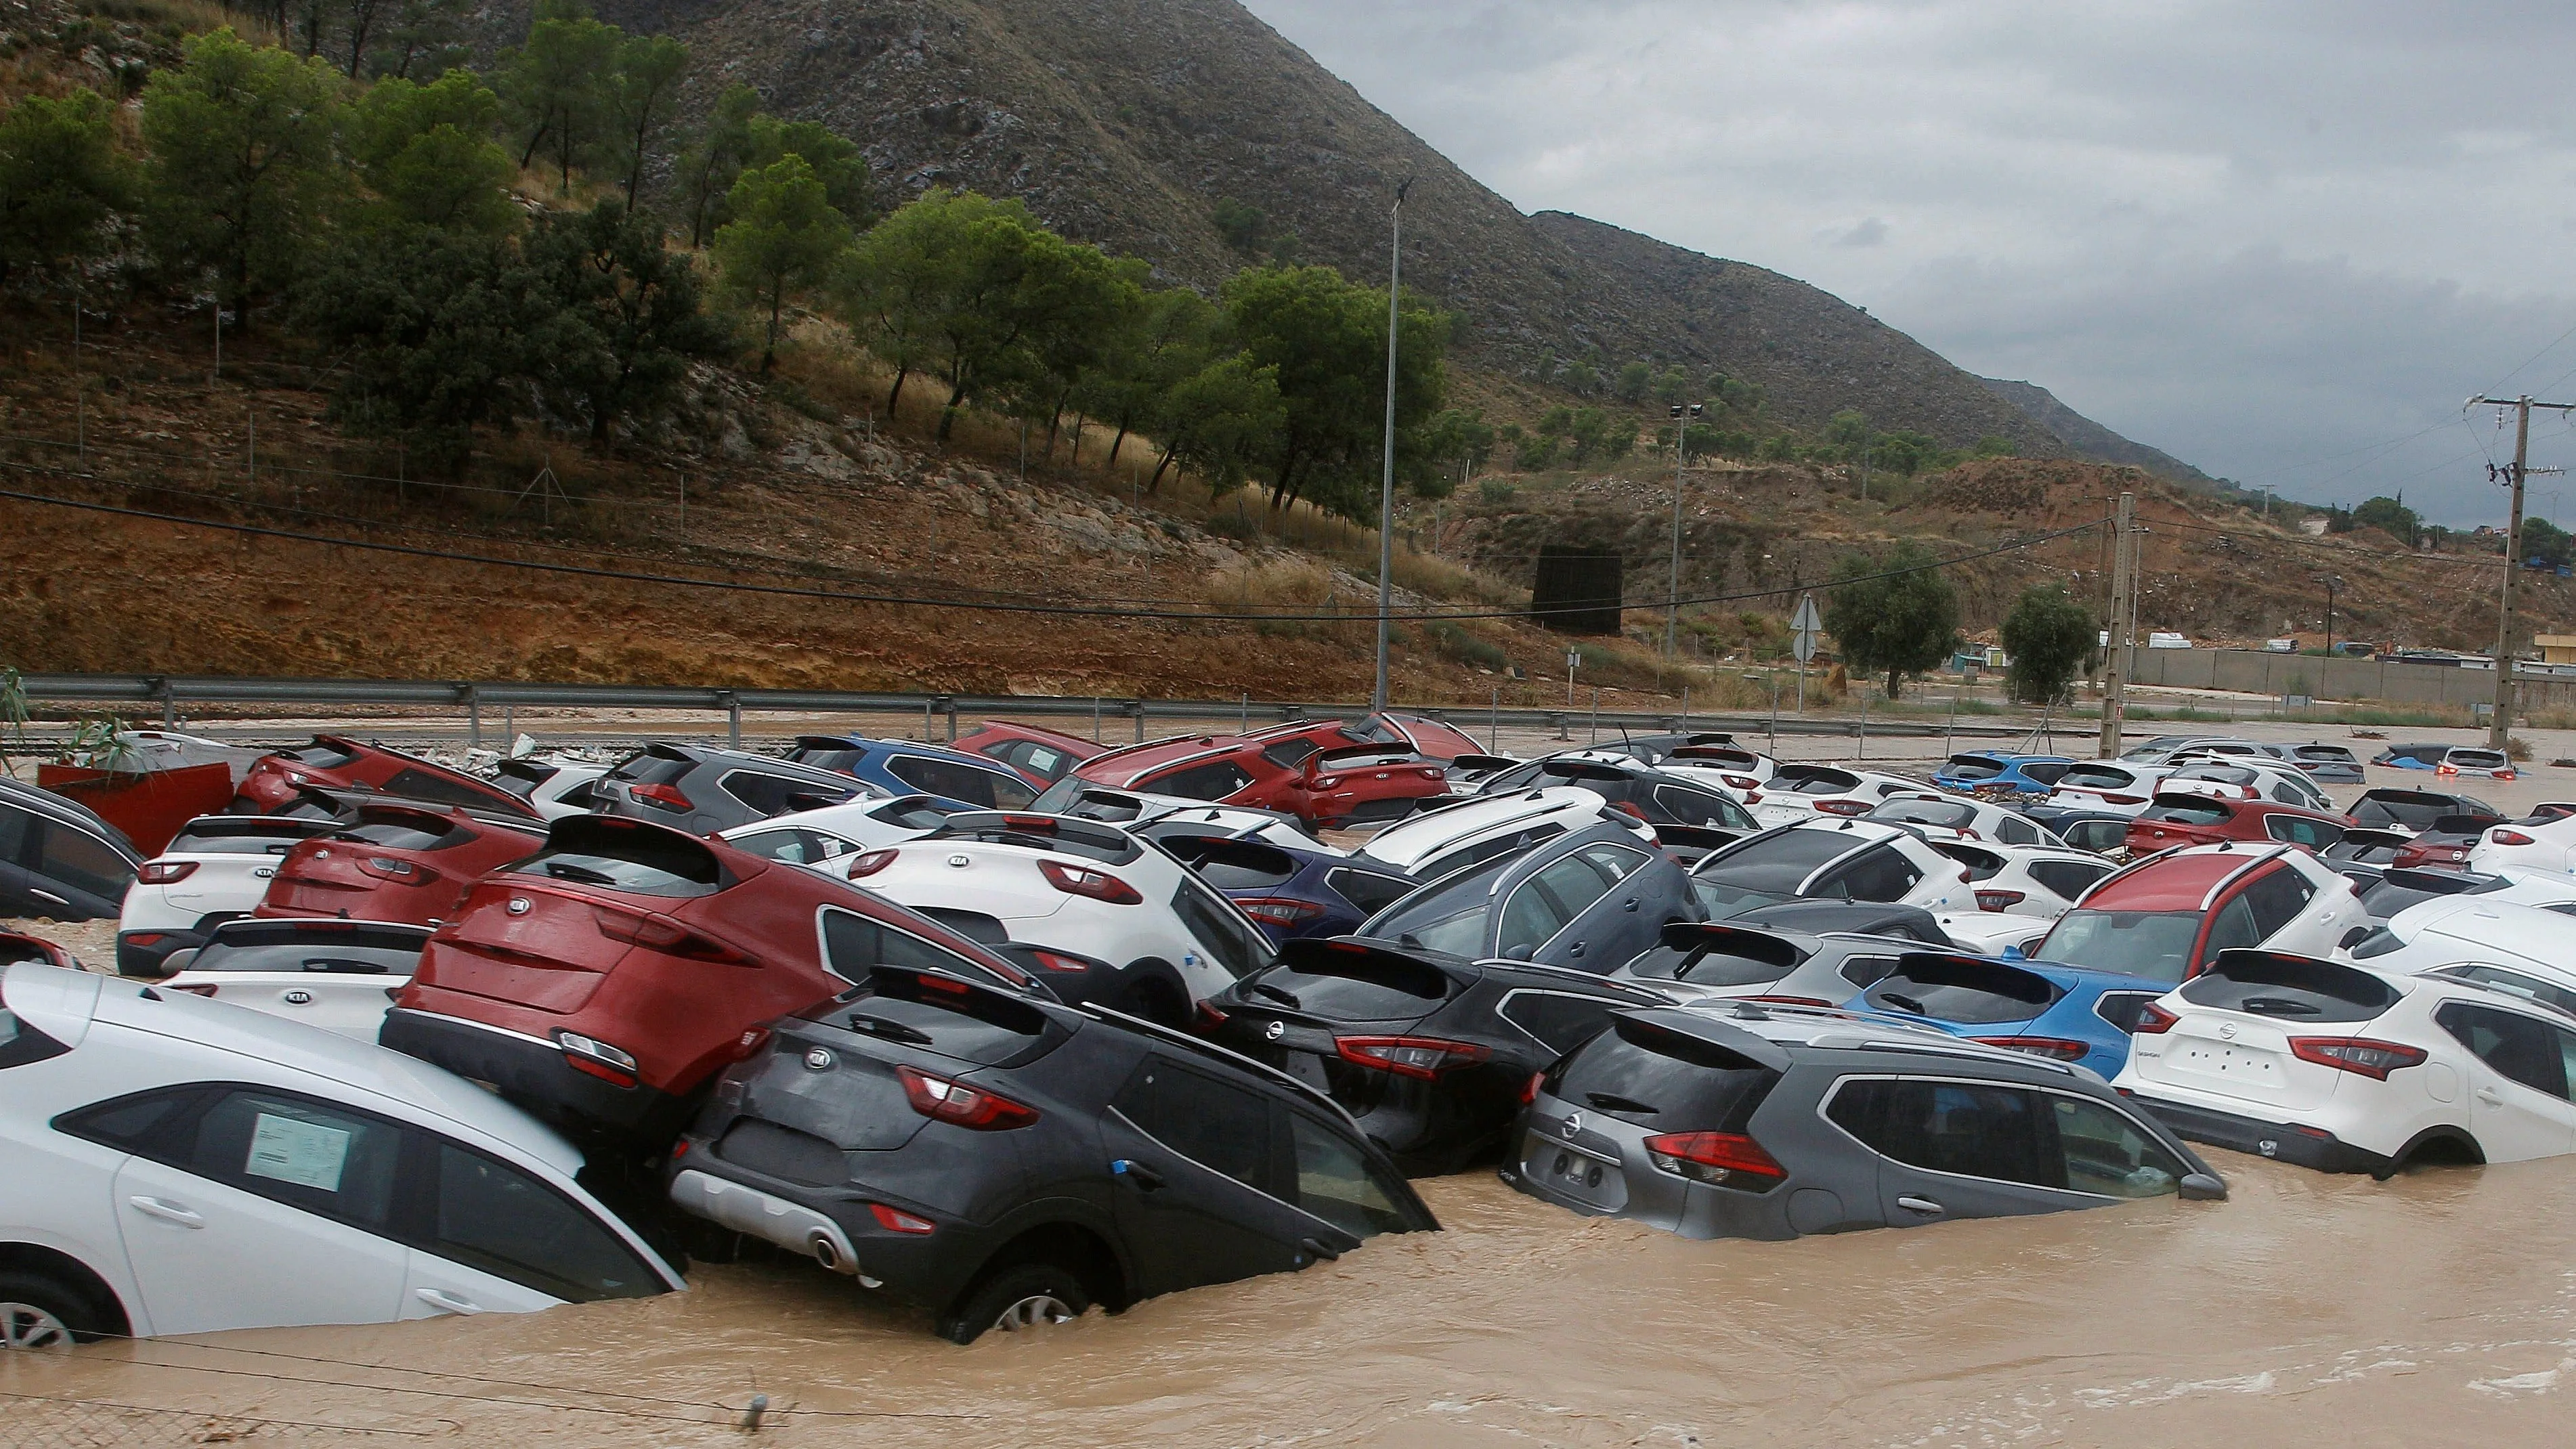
2475 926
1453 837
1952 817
1731 769
1136 809
2247 779
182 1166
1803 792
2398 890
2117 787
337 975
827 837
2347 1068
1082 887
216 868
2020 890
1848 860
2533 844
553 785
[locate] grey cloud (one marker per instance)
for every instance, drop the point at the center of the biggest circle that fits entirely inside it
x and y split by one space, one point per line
1869 233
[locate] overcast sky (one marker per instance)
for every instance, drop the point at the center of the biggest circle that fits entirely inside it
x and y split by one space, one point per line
2272 239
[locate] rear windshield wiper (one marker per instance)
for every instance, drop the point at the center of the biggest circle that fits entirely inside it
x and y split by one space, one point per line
1275 994
1904 1003
345 965
1613 1102
2281 1006
563 870
890 1030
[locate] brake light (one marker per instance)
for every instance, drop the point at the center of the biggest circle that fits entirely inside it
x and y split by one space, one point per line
597 1058
668 937
667 797
1280 910
1424 1057
1043 824
2153 1020
961 1105
2446 769
2498 836
1740 782
2124 799
2503 774
386 867
1631 811
1099 885
1752 797
1209 1017
872 862
896 1220
2054 1048
163 872
1999 900
1843 807
2373 1059
1728 1159
1054 962
1529 1089
196 990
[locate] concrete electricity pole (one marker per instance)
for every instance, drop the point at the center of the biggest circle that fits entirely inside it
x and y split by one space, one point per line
2500 726
1682 418
2115 655
1386 485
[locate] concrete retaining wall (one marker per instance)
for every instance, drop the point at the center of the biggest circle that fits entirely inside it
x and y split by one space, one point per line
2255 671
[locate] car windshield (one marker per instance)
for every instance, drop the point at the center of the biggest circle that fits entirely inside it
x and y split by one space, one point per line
2153 944
1450 916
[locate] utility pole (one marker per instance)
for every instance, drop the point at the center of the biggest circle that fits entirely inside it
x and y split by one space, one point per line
2115 674
1386 483
2332 583
1682 419
2500 726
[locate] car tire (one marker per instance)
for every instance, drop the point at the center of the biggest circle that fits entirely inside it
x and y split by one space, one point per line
40 1312
1154 998
1013 1298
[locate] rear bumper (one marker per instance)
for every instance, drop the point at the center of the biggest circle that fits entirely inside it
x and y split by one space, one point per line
2305 1146
536 1075
137 957
926 1270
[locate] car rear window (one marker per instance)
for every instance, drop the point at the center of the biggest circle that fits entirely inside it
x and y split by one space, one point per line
1971 992
1354 986
404 832
842 759
1235 865
2153 944
2069 878
238 835
652 767
1947 814
1780 862
321 755
2478 759
2097 777
946 1017
1720 958
320 947
1368 890
1056 833
1796 780
602 851
2414 812
2292 988
2329 754
438 786
1971 767
1653 1077
2186 812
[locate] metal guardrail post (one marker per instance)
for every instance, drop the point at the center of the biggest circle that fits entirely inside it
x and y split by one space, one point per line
733 718
169 701
473 717
1136 707
947 704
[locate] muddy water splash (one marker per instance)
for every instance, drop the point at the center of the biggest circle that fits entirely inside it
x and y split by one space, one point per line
2439 1308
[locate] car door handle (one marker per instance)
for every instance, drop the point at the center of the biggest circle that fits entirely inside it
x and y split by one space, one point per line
47 896
2491 1096
1316 1247
1924 1205
1575 950
166 1211
1145 1178
1629 904
447 1302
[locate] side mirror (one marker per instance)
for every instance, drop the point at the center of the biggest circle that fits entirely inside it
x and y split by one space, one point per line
1520 953
2202 1187
2013 953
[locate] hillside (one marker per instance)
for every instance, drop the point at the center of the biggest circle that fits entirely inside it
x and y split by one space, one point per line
2090 440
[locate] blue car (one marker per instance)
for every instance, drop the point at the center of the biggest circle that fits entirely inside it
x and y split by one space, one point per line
2064 1013
1290 891
1984 772
905 768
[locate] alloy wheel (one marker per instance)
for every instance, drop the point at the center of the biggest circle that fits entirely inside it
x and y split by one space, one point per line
24 1325
1032 1311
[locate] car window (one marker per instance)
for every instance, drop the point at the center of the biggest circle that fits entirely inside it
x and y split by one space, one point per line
1948 814
419 784
2046 772
1533 914
2275 898
1615 862
853 943
1687 806
2519 1048
1989 996
2232 927
1777 863
2016 831
2096 777
2153 944
80 859
2096 835
1336 1182
779 794
1882 874
21 1044
1367 890
1042 761
1483 850
2187 811
2299 830
1235 945
2068 878
2514 982
1289 754
1867 971
1643 1074
596 850
1968 1129
410 833
1450 916
2107 1153
1201 782
494 1217
796 847
338 947
989 788
322 1159
1219 1125
1561 1020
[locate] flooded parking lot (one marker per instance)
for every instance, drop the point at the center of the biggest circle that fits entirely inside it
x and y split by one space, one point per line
2439 1307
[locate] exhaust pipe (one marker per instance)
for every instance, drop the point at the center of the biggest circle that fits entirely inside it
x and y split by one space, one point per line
824 1252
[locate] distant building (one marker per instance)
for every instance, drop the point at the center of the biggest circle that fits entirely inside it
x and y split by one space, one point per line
2313 527
2556 648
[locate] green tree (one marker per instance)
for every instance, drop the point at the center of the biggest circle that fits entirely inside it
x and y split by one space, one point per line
2049 638
630 315
1580 378
835 158
1220 422
1894 615
942 285
2540 539
1457 438
1076 300
557 84
1327 340
1992 446
428 154
1849 433
712 162
2389 516
243 170
784 238
1634 382
1670 386
637 99
61 179
1170 338
1240 225
422 35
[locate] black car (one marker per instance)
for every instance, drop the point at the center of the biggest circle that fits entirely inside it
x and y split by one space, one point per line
1655 796
2099 831
1004 1162
1428 1052
2416 809
58 859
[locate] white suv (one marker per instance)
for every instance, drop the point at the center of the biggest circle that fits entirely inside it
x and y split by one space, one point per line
1437 843
178 1165
1851 860
216 868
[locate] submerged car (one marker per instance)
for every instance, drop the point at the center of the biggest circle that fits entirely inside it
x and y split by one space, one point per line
1006 1163
2060 1012
338 762
402 863
1773 1122
1590 899
907 767
2167 917
337 975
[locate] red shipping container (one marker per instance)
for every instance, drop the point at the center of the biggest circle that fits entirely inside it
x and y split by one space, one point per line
149 806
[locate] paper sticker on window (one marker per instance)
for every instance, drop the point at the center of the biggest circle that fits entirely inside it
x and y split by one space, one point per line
306 1154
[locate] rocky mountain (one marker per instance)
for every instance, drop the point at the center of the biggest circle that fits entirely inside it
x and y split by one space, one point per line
2088 439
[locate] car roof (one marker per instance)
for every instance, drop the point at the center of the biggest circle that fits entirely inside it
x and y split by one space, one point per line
2176 881
62 808
874 746
2524 930
1423 836
1786 1031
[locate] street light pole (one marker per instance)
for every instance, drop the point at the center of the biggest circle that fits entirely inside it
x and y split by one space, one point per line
1673 579
1386 483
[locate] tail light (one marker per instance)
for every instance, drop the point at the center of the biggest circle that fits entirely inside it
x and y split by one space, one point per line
1424 1057
871 863
196 990
954 1102
1053 962
597 1058
1728 1159
667 797
163 872
2446 769
896 1220
1752 797
2000 900
1529 1089
1280 910
668 937
2373 1059
1740 782
1630 810
2153 1020
405 872
1099 885
1209 1017
2498 836
2124 799
2055 1048
1843 807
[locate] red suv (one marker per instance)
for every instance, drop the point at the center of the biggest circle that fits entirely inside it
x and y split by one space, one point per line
338 762
603 982
2184 819
1041 755
402 863
1324 788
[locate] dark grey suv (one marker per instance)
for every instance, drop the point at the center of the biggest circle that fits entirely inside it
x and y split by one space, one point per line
1764 1122
703 790
1589 900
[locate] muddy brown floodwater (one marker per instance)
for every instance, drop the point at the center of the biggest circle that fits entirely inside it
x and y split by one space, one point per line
2439 1308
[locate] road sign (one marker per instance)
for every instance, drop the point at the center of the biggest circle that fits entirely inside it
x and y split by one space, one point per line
1803 628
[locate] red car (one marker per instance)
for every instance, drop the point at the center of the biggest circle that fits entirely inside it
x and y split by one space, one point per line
1041 755
604 981
15 947
2186 819
1324 788
407 864
1426 737
338 762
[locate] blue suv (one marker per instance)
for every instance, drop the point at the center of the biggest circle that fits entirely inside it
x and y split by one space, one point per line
2064 1013
1978 772
912 769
